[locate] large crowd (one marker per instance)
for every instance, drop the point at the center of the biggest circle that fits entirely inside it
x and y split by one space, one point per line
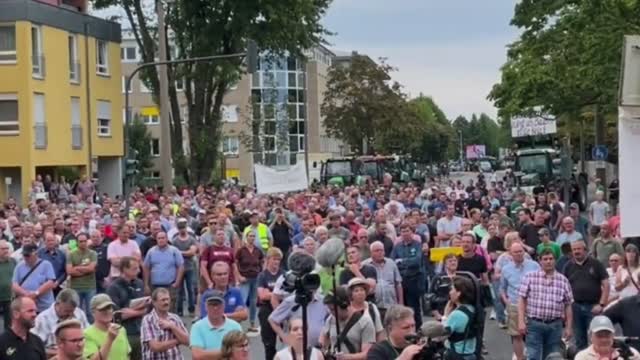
86 275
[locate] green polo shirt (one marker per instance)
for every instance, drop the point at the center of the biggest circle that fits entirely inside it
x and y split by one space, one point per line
79 257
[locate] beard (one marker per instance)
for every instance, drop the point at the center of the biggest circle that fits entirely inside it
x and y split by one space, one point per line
26 323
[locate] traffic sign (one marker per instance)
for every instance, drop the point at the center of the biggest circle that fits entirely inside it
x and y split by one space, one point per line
600 153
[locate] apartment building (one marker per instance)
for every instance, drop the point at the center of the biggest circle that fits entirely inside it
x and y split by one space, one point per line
60 96
284 93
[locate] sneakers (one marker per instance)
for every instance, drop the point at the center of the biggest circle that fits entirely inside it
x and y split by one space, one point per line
502 325
493 315
253 331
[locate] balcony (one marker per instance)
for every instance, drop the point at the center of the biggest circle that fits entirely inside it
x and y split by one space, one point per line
76 137
74 72
38 66
40 131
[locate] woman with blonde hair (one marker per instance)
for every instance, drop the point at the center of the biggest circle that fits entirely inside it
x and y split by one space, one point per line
235 346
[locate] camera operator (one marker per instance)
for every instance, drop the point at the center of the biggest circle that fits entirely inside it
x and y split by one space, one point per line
602 343
357 332
461 320
399 323
441 285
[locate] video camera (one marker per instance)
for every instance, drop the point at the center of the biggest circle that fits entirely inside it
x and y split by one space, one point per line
433 347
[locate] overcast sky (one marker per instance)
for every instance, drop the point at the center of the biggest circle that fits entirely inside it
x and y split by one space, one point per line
450 50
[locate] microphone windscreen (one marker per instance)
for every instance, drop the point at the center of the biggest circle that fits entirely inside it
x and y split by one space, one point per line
434 329
301 263
330 252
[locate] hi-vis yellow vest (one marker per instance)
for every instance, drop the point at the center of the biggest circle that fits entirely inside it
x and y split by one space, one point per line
262 234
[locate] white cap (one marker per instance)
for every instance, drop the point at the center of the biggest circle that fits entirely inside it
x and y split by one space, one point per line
601 323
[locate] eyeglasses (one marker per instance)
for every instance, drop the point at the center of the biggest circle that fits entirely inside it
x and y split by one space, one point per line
614 260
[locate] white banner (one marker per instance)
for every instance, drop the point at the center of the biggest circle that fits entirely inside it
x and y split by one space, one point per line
629 170
269 181
532 126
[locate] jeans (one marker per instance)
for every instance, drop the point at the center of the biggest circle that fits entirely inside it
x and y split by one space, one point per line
5 307
498 306
412 295
85 300
249 292
581 319
188 283
269 337
542 338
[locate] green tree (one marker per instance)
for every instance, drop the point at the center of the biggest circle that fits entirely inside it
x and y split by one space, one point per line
434 143
140 144
566 61
362 106
209 27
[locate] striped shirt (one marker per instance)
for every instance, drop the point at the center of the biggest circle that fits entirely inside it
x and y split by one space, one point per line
546 296
151 330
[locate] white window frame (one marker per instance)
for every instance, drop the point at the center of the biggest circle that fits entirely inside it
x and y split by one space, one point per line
154 154
143 87
11 54
179 85
102 68
104 115
37 70
74 68
154 175
11 97
126 59
124 82
230 113
151 119
226 143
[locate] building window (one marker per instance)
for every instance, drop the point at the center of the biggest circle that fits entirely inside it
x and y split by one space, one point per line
37 57
104 118
154 175
9 124
129 53
76 124
74 64
180 85
39 121
102 57
124 82
155 147
230 145
151 119
230 113
143 87
8 44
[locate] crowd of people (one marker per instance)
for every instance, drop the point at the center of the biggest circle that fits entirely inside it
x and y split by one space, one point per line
86 275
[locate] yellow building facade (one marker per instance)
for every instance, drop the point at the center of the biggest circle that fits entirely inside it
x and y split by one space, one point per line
60 96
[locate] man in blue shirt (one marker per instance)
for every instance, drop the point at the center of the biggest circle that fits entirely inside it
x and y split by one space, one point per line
234 306
408 256
208 332
511 276
52 253
163 267
34 278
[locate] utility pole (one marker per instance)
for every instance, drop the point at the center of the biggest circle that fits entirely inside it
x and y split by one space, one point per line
600 128
461 150
166 171
567 168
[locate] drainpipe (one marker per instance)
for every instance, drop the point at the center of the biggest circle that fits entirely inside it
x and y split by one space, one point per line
88 100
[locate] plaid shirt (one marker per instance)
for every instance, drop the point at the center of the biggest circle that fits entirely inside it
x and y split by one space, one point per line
151 330
546 297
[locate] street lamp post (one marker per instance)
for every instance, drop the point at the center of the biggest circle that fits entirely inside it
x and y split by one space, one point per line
166 171
251 53
461 148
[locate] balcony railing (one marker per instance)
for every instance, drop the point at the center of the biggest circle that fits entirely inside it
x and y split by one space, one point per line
40 131
76 137
38 66
74 72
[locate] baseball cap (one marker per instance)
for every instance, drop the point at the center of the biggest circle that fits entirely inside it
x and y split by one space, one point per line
101 302
29 249
214 296
601 323
574 206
